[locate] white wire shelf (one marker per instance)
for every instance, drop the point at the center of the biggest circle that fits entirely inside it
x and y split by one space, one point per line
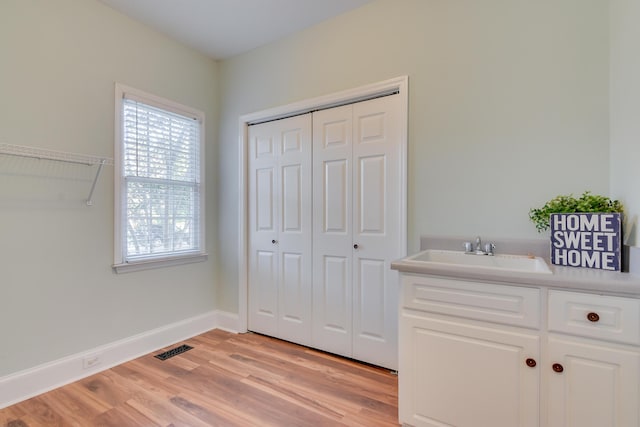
59 156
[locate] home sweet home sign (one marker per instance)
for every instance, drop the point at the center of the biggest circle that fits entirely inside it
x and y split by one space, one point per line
590 240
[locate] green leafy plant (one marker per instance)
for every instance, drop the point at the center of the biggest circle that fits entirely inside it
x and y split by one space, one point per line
568 204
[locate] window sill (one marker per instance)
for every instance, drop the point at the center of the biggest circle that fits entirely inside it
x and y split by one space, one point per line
129 267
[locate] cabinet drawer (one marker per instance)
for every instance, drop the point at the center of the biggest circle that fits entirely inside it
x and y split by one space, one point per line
511 305
595 316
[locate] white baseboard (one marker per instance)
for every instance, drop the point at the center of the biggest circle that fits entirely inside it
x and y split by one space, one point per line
25 384
229 322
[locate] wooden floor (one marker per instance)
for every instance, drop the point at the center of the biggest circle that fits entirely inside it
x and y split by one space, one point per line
225 380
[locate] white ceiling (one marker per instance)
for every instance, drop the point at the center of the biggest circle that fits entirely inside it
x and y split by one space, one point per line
224 28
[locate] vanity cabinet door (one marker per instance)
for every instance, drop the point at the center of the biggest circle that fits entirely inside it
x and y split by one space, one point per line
466 374
592 384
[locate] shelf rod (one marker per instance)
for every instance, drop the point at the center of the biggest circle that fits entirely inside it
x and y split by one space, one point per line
58 156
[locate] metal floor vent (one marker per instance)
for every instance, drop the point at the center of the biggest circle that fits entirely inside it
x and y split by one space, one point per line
173 352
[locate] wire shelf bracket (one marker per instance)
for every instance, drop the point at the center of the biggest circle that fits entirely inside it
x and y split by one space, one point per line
60 156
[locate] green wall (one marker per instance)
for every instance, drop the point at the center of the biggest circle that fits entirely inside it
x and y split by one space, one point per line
58 294
508 106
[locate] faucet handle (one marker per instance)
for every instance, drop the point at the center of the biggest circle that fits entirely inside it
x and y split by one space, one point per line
489 248
468 247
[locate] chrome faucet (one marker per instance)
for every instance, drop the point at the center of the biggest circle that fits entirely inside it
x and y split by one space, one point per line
479 246
470 248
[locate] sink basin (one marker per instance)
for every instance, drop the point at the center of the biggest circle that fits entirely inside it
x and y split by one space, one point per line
501 262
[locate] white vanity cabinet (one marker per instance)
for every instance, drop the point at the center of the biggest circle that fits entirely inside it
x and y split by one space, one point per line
476 354
593 381
457 369
466 375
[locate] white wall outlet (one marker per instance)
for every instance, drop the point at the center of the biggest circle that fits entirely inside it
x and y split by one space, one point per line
91 361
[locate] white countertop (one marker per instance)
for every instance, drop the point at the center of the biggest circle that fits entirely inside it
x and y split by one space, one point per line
570 278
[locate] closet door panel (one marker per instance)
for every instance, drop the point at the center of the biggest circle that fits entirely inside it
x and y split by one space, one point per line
376 222
370 300
263 229
371 217
335 198
280 228
295 237
263 300
291 203
332 230
332 304
294 317
265 200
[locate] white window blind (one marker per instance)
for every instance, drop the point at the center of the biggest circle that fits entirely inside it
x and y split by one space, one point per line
160 182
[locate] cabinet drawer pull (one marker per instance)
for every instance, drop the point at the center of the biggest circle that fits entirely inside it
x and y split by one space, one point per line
531 363
557 367
593 317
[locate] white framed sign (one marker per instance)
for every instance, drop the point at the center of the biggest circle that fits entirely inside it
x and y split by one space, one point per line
589 240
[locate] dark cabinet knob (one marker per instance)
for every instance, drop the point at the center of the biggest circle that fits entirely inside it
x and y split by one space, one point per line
531 363
355 246
274 241
593 317
557 367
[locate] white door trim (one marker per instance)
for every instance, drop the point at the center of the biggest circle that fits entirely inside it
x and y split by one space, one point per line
400 84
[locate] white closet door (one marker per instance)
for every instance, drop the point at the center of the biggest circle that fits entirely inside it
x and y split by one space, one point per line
295 235
280 228
357 195
376 229
332 230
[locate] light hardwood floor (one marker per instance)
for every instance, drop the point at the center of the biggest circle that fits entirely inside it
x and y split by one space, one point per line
225 380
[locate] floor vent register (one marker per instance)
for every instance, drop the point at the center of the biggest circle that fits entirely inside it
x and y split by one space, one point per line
173 352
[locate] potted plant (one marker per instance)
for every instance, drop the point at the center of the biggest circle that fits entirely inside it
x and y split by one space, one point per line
585 231
587 203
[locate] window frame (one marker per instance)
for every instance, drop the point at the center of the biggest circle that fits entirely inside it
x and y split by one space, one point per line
121 264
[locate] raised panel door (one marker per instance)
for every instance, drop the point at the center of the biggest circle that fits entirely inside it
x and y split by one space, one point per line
263 223
332 230
596 386
357 207
295 230
376 229
463 375
280 225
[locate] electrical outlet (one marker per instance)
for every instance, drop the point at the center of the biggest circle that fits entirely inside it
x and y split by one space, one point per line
91 361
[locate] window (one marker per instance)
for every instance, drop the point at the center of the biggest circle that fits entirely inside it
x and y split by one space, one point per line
159 182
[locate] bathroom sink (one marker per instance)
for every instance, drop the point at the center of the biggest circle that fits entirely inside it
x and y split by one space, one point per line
501 262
